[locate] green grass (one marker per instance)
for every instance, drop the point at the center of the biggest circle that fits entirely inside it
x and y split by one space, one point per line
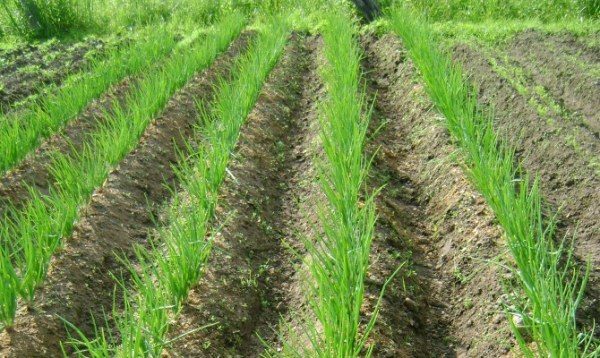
477 10
22 132
166 273
30 235
551 285
494 32
32 20
47 18
42 19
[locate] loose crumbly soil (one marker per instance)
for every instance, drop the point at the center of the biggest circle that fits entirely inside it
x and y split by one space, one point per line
247 285
575 90
446 300
31 71
560 152
119 215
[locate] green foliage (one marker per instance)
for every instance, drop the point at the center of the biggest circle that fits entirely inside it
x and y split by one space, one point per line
22 132
339 260
339 263
47 18
477 10
551 283
165 274
498 31
36 19
590 8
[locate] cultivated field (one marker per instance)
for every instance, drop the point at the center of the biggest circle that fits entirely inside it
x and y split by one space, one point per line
191 179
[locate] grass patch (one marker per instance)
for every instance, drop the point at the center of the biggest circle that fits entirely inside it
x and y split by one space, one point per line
40 19
476 10
494 32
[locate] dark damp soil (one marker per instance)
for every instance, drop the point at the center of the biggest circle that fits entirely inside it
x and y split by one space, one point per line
574 89
247 284
447 299
29 71
119 215
560 152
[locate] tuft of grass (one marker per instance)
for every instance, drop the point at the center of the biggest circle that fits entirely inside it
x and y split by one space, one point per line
166 273
32 234
476 10
552 285
494 32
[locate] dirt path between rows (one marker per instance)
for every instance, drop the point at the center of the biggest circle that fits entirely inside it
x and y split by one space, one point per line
119 216
246 287
447 299
561 155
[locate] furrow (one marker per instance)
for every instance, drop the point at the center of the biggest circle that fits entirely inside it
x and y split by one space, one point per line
561 154
245 285
447 300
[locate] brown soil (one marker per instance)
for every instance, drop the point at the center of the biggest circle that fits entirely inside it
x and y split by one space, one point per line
447 299
29 73
568 44
446 302
34 170
575 90
556 150
118 217
247 285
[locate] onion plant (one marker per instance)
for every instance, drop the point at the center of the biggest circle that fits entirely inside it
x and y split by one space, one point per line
30 235
338 261
163 275
552 285
21 133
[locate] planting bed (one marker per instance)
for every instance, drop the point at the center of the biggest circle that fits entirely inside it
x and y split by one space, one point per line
561 146
119 215
448 297
28 70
